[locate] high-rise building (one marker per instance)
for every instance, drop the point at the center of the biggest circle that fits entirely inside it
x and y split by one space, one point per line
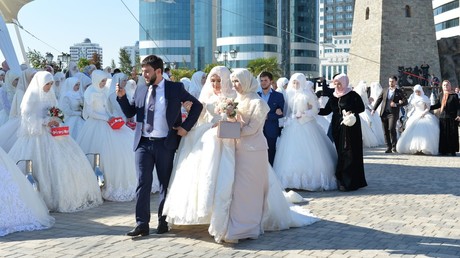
179 32
133 52
335 26
232 32
86 49
446 18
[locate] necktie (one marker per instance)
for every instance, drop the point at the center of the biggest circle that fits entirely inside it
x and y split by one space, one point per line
151 108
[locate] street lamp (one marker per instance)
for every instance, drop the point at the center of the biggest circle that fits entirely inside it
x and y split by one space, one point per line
173 65
49 58
63 58
233 54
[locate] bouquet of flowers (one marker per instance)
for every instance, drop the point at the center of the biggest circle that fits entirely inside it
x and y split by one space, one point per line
227 106
56 113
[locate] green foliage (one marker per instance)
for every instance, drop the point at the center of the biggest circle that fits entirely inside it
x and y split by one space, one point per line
270 64
113 65
177 74
36 59
209 67
125 62
82 62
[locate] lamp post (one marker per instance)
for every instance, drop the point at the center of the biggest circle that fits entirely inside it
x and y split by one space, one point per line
233 53
49 58
173 65
63 58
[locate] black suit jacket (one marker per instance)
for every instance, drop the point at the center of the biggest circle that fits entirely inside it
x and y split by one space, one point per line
397 96
175 95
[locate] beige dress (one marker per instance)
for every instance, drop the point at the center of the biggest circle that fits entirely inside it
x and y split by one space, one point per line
251 178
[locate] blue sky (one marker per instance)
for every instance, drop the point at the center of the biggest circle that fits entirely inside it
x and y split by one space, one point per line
62 23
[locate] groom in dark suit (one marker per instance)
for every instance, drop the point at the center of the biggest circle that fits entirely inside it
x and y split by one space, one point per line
275 101
391 99
159 128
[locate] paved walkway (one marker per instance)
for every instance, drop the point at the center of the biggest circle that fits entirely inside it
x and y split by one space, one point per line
411 208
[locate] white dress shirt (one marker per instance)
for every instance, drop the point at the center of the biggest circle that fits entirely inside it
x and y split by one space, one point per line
160 126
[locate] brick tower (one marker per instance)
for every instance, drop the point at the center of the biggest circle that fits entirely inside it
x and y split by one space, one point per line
388 34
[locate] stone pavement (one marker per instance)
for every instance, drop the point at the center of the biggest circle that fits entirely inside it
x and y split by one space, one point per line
411 208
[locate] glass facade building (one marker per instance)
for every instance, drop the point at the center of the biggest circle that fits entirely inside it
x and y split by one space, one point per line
446 18
199 32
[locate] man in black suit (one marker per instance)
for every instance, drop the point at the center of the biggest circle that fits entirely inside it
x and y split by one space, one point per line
159 128
391 99
275 101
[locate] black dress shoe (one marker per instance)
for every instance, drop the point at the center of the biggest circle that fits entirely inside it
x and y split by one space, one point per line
388 151
138 231
162 227
394 150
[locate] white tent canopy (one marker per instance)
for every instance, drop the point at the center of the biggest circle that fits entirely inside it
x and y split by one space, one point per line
9 13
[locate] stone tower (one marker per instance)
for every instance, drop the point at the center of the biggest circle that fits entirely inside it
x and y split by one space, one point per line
388 34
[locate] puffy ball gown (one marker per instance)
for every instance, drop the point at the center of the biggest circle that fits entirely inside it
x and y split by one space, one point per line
65 178
422 129
22 209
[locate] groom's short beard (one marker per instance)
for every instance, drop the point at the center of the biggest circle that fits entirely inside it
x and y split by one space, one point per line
152 80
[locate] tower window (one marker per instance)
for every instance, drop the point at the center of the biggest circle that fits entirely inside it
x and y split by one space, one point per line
367 13
408 13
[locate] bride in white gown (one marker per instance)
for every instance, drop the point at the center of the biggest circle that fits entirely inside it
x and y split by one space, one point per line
8 131
96 136
22 209
421 134
370 138
191 191
71 103
65 178
305 158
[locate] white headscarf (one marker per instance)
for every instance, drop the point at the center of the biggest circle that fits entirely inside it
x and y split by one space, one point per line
68 91
116 78
195 84
299 97
225 84
59 79
130 88
73 68
36 103
361 89
416 98
186 81
8 87
376 90
280 83
96 78
249 93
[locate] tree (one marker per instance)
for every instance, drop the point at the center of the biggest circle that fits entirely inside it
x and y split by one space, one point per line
36 59
125 62
208 67
82 62
113 65
270 64
178 74
96 60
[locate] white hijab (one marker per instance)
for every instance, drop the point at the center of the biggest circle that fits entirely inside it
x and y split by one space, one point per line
302 93
195 83
68 91
226 86
96 78
36 103
249 93
361 89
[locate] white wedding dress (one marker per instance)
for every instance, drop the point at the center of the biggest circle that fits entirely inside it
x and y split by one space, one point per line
65 178
22 209
71 105
421 133
114 146
305 158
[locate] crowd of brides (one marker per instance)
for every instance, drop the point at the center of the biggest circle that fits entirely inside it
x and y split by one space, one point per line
319 146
